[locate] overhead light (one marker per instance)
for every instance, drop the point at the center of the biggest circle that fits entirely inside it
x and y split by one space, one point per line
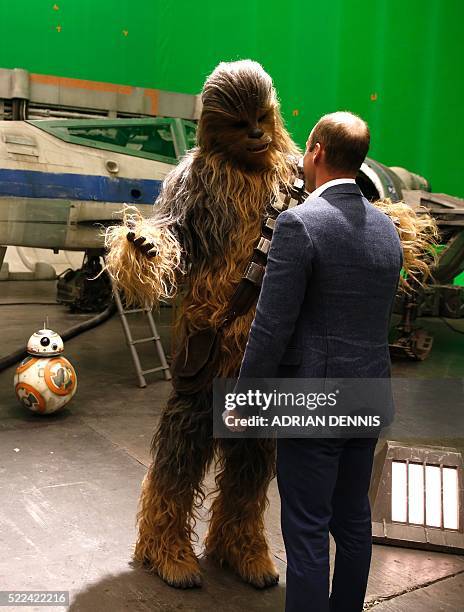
417 497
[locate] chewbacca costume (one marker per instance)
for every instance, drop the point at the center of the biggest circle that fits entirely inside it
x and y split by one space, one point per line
206 223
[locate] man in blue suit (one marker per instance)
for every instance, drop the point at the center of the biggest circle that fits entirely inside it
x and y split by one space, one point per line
323 312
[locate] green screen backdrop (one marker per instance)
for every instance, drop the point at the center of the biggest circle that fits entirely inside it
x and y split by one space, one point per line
398 64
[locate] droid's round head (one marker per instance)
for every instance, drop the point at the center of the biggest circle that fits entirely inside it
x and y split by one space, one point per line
45 343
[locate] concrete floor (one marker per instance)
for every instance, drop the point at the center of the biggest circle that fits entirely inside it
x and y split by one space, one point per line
69 483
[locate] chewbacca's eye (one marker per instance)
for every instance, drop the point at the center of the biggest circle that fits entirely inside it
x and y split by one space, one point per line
262 118
240 124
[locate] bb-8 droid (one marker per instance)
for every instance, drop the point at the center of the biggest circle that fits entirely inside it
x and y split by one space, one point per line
45 381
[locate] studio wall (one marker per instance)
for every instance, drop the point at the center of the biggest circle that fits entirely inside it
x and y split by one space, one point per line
398 64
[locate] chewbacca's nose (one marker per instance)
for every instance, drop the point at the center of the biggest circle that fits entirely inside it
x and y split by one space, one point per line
256 133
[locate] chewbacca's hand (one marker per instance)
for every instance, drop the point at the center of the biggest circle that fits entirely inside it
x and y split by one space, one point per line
147 248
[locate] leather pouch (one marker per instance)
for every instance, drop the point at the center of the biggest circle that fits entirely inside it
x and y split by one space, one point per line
194 365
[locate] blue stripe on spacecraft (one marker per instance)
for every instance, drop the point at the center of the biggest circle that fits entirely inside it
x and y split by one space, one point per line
34 184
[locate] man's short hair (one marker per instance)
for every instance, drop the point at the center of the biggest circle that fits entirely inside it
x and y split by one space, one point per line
345 138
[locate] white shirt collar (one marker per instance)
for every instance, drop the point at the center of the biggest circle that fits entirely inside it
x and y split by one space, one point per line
339 181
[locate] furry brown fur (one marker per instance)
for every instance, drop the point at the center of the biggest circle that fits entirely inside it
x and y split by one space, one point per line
206 221
418 232
212 204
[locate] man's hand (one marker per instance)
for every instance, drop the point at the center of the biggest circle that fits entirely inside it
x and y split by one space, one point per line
233 421
147 248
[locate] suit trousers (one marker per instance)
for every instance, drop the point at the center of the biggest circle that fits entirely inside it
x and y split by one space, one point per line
323 485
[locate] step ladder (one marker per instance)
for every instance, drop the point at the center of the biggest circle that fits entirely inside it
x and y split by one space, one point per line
131 343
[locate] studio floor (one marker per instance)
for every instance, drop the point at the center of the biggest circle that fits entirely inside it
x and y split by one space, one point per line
69 483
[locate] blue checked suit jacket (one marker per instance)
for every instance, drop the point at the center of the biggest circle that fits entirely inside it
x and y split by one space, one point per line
328 291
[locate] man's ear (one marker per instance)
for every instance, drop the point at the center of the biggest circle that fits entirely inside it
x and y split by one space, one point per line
317 153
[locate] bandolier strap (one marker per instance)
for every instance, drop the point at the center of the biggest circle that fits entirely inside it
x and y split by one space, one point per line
247 291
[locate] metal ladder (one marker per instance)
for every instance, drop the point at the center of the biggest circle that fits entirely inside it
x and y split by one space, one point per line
155 337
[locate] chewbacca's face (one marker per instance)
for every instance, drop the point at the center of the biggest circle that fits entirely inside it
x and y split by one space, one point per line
239 115
246 138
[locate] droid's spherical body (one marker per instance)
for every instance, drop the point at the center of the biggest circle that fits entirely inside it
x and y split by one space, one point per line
45 381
